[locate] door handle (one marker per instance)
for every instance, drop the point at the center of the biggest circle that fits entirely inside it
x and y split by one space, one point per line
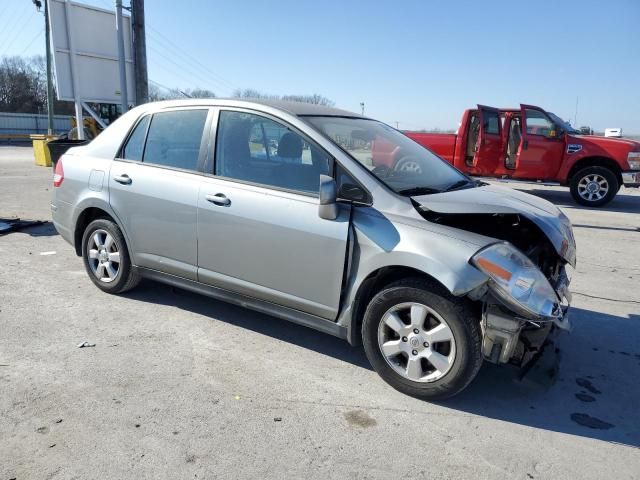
218 199
123 179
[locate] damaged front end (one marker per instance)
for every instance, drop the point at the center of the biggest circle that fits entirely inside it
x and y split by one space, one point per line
526 297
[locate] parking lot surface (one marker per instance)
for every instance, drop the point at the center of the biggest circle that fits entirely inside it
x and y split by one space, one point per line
183 386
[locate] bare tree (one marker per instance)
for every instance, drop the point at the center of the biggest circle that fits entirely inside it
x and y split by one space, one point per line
253 93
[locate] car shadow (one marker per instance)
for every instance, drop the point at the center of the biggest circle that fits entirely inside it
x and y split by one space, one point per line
589 397
621 203
595 393
274 327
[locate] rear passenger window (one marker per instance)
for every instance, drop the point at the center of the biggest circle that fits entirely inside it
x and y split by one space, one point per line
174 139
259 150
135 145
491 122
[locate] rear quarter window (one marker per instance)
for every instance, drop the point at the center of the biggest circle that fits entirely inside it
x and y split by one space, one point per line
134 147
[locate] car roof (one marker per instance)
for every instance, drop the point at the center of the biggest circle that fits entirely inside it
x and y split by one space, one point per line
294 108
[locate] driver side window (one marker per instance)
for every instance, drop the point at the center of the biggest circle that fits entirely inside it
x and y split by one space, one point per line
256 149
538 123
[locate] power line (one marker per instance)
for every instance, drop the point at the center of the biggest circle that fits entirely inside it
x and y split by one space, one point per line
182 70
185 57
19 24
168 88
39 34
172 44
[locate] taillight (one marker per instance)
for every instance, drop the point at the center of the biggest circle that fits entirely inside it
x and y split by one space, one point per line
58 174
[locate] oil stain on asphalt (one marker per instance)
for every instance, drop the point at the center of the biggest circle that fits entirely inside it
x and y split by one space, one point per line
358 418
586 384
590 422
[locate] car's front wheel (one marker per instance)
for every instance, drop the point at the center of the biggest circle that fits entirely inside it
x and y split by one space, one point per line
106 257
594 186
422 340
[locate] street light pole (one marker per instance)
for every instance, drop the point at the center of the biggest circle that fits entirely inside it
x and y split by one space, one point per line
139 52
47 36
121 60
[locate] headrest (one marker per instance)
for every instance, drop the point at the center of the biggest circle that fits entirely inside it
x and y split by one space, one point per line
290 146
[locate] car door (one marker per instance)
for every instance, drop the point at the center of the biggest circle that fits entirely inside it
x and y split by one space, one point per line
154 186
541 148
489 145
259 233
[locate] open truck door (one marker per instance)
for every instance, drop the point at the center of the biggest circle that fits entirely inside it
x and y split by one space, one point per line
541 148
484 149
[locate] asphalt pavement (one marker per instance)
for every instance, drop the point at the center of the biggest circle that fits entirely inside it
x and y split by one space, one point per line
183 386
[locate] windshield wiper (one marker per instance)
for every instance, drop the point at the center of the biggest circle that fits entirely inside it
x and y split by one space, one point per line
418 191
460 184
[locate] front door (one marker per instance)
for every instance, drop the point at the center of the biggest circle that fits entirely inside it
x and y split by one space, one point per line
488 149
259 232
154 187
541 148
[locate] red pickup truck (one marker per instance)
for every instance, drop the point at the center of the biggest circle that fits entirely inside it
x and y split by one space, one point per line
531 144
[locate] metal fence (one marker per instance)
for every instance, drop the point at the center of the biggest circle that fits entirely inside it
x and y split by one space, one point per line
15 127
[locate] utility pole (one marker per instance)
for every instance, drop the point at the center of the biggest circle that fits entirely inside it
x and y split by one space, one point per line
362 107
124 97
575 116
139 52
47 36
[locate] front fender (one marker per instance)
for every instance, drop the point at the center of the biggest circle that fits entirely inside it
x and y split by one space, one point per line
422 246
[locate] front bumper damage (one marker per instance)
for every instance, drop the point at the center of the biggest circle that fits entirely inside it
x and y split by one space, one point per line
509 338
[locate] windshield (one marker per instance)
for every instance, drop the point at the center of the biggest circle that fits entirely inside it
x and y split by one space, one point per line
400 163
566 126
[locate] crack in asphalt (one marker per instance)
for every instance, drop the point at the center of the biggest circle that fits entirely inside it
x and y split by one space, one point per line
619 300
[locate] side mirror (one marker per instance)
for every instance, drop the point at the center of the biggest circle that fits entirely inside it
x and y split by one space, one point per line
328 207
554 133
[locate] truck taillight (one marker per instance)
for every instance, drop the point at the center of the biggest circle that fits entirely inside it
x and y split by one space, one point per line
58 174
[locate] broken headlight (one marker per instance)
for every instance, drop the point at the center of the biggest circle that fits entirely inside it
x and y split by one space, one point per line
517 281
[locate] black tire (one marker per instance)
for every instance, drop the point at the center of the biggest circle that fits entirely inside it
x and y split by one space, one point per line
613 185
464 325
126 276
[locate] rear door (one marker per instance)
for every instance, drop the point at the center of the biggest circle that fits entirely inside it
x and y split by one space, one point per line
489 144
259 233
154 186
540 154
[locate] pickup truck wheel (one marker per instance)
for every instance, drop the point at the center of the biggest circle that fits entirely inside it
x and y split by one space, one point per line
409 164
422 340
106 257
594 186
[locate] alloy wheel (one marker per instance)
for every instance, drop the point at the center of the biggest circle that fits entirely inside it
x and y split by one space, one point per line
593 187
410 166
103 255
416 342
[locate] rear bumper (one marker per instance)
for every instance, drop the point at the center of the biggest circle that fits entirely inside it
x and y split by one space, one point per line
631 179
58 215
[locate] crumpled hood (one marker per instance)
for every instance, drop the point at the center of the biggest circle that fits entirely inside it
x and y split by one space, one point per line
496 199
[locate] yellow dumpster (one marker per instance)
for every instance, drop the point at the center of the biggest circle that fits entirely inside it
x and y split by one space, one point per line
40 149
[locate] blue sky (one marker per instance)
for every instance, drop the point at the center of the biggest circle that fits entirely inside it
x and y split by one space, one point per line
420 63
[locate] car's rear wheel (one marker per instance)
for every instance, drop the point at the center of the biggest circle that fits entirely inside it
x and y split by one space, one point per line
594 186
106 257
422 340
